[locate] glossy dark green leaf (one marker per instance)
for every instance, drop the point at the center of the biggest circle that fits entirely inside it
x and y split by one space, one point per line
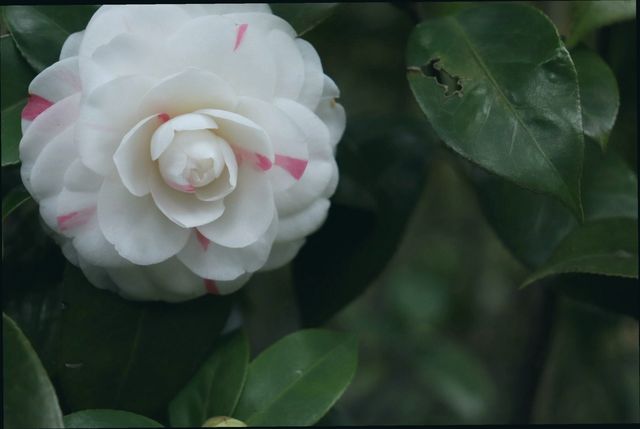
304 17
108 419
15 76
606 247
298 379
40 31
29 400
504 98
599 96
215 389
14 199
591 15
134 356
383 164
532 225
31 296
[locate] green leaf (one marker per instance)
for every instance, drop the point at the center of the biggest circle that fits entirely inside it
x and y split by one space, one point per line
382 164
215 389
504 98
599 96
15 76
122 354
304 17
40 31
605 247
298 379
14 199
590 15
532 225
29 399
108 419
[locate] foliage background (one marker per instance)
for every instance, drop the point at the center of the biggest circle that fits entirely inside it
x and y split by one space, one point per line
445 336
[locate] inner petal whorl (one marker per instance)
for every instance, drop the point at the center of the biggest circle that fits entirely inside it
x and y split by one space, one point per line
193 159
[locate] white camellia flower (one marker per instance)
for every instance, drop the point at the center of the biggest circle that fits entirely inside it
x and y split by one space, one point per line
177 149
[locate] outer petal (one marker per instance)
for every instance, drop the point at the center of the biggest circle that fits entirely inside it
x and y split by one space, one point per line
58 81
129 54
184 209
46 127
249 211
105 119
289 63
303 223
71 46
47 175
237 53
320 169
212 261
287 138
334 116
153 22
196 10
282 253
314 77
79 178
132 158
186 92
139 231
264 22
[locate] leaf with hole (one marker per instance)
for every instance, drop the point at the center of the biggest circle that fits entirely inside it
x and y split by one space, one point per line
216 387
513 111
108 419
130 355
383 163
28 396
15 76
532 225
599 96
298 379
40 31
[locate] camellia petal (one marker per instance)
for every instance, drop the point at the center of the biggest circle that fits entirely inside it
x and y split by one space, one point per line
132 156
213 261
248 213
136 227
104 120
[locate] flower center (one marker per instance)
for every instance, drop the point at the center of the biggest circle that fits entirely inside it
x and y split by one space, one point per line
193 160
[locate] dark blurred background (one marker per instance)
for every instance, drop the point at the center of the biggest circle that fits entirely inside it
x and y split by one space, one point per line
445 335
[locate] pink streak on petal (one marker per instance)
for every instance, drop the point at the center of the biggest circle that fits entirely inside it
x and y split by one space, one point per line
211 287
294 166
35 106
164 117
240 35
263 162
75 218
204 241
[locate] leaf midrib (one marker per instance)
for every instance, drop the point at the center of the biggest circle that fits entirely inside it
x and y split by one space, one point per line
485 69
288 388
